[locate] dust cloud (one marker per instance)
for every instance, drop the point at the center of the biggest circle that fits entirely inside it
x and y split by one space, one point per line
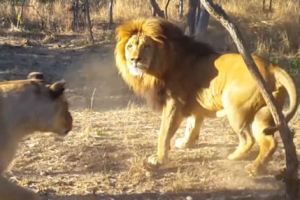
94 81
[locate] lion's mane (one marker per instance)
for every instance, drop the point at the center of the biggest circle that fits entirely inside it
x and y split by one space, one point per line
172 45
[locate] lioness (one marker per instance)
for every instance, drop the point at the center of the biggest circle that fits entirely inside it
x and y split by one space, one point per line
188 79
27 106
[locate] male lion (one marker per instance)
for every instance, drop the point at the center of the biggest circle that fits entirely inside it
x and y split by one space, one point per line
28 106
188 79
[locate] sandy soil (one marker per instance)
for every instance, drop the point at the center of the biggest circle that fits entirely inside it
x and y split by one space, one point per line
102 158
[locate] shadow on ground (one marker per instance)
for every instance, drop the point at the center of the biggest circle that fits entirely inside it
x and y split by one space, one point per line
190 195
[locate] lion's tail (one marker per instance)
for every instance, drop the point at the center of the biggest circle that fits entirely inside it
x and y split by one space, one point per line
288 83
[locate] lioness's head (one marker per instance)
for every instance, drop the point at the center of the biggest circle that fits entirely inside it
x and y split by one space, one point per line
139 51
32 105
60 119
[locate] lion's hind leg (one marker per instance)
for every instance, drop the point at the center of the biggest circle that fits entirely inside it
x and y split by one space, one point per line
192 130
266 142
238 121
246 142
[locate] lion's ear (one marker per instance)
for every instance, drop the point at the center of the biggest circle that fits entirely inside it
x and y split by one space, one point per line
35 75
57 89
118 35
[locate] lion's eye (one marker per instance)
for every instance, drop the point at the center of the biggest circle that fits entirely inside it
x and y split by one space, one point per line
129 46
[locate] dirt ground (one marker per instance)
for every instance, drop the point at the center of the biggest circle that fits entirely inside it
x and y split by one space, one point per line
102 158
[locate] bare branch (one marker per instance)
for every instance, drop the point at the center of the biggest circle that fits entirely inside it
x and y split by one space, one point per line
291 174
166 9
299 11
270 5
88 22
157 9
110 13
180 9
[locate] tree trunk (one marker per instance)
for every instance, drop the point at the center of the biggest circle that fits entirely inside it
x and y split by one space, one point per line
156 9
12 13
270 5
88 22
264 5
203 20
191 16
153 13
299 11
74 16
180 9
110 12
75 10
290 175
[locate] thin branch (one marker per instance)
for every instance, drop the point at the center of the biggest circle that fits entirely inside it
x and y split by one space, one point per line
88 22
157 9
110 12
180 9
166 9
291 173
92 98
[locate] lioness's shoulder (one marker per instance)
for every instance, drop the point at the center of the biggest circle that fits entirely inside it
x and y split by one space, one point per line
33 85
14 85
32 78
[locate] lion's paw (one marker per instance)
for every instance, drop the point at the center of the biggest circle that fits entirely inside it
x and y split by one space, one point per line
154 160
233 156
181 143
254 170
236 155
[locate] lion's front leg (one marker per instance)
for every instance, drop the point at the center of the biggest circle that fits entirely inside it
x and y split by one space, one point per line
171 120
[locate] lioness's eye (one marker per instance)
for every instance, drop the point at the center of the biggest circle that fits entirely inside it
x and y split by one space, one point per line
129 46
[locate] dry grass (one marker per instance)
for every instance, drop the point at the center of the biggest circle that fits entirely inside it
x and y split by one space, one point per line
103 156
266 33
108 160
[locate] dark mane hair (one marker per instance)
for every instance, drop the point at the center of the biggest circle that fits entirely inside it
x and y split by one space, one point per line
175 46
176 35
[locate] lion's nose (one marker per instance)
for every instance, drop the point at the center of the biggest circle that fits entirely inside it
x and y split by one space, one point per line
136 60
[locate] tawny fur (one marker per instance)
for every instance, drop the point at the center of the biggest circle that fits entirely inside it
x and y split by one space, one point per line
188 79
28 106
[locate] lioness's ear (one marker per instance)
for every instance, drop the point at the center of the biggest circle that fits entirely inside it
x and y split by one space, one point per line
57 89
35 75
